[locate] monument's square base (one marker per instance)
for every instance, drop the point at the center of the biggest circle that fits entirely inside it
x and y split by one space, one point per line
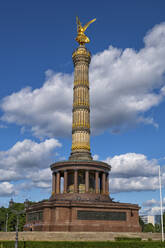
82 216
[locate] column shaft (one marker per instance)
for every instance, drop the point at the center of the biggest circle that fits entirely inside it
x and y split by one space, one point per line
65 181
58 183
97 182
53 183
76 181
86 181
103 184
107 184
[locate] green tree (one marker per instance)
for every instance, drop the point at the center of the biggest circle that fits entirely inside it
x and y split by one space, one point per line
157 228
141 222
149 228
12 217
3 216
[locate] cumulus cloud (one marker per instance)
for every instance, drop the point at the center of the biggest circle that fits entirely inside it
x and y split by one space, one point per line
28 154
150 203
29 161
46 110
118 185
133 172
125 84
132 165
127 81
152 207
41 178
6 189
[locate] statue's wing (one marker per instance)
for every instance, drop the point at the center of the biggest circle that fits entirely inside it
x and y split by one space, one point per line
88 23
78 23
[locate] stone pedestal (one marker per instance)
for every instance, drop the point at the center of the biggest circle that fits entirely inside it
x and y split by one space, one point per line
80 205
83 216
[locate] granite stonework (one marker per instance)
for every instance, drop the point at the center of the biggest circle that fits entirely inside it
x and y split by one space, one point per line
92 211
64 216
80 199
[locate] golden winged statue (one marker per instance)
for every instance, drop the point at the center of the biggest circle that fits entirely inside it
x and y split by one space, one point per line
81 37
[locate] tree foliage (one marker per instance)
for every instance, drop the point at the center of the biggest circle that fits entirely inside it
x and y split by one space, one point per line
149 228
8 216
141 222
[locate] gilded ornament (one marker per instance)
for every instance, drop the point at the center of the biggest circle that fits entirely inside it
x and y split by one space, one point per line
81 37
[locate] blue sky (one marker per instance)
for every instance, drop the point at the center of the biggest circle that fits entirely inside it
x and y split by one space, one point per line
127 77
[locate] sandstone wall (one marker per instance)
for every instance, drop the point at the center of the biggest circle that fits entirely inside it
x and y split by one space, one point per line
75 236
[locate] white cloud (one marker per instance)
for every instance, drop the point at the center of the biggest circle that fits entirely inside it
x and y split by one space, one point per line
132 165
6 189
133 172
95 157
152 207
118 185
28 164
46 110
125 84
44 175
41 178
7 175
150 203
28 154
151 211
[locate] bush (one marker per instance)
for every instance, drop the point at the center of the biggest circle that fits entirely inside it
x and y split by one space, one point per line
70 244
128 239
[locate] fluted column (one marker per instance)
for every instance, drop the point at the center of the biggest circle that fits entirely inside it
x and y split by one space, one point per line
103 183
65 181
97 182
58 182
86 181
81 106
76 181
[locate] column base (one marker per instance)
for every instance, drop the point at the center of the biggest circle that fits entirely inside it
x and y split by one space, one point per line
79 155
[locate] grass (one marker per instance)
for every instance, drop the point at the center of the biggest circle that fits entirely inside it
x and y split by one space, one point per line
72 244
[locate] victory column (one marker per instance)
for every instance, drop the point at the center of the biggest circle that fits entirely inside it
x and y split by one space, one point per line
80 199
81 104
